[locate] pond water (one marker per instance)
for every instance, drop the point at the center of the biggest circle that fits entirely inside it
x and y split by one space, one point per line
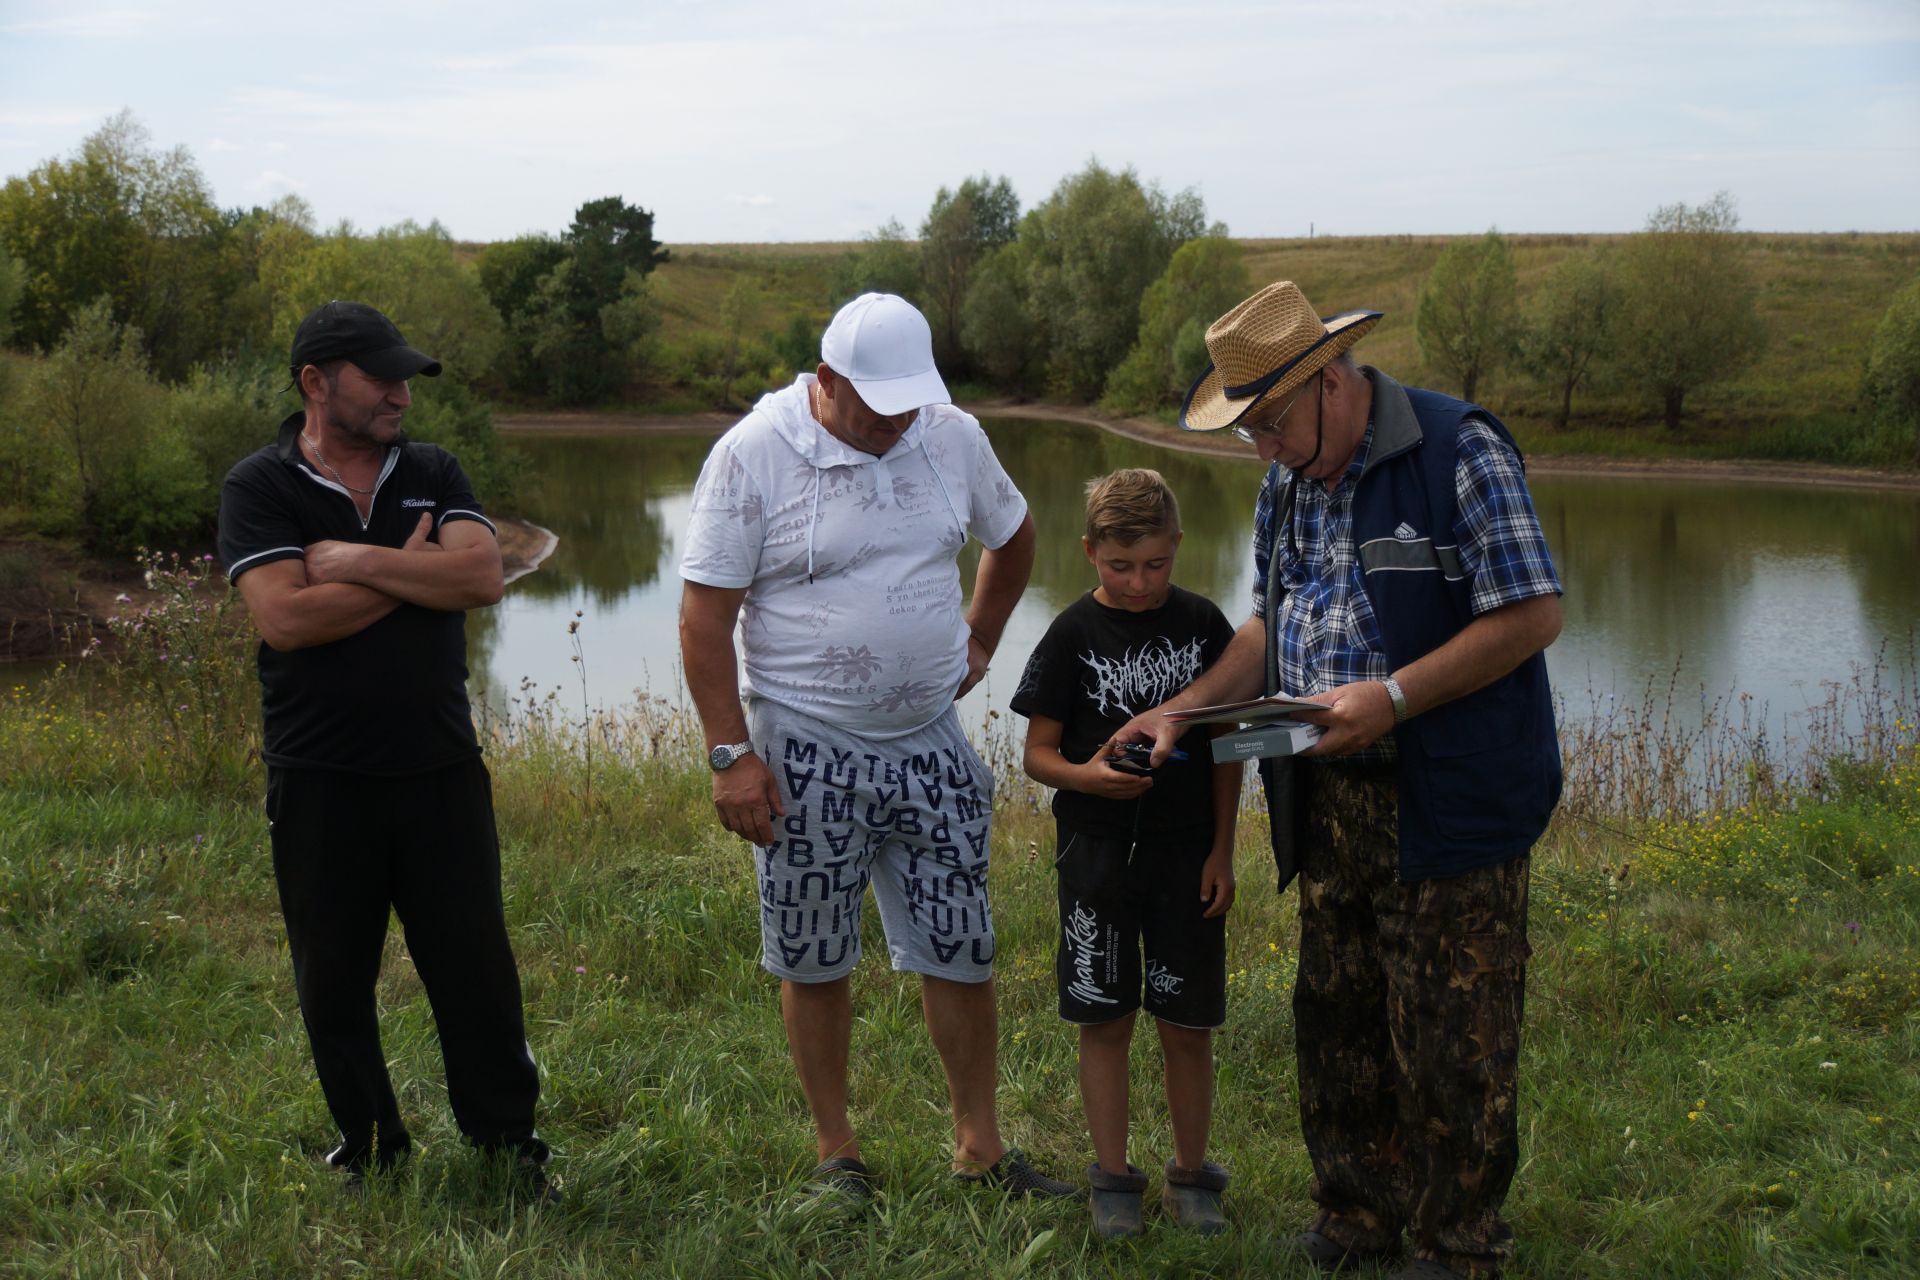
1721 589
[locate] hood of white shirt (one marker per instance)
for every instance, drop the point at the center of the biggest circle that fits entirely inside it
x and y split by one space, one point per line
792 419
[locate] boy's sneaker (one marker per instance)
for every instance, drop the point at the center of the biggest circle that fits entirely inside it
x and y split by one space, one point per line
1116 1199
1192 1197
1013 1175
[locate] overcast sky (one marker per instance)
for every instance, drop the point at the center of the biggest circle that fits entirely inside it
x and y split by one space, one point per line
749 120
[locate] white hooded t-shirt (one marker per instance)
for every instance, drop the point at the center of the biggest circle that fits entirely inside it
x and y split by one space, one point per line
853 608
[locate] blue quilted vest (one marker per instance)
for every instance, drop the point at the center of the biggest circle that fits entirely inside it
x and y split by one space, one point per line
1478 777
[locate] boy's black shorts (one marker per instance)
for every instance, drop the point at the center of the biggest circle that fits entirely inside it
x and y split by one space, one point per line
1111 911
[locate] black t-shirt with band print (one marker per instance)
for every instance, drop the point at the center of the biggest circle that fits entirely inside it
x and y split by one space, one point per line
392 698
1098 667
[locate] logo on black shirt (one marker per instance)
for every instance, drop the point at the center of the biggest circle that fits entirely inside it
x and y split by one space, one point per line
418 502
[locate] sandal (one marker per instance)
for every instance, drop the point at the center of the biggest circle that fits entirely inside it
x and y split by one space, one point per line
1012 1174
1192 1197
842 1179
1116 1201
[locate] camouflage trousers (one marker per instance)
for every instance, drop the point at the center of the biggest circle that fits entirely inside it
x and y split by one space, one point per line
1407 1012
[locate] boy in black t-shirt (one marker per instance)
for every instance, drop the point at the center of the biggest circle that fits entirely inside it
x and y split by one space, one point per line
1145 860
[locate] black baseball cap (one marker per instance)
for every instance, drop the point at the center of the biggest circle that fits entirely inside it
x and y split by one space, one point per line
359 333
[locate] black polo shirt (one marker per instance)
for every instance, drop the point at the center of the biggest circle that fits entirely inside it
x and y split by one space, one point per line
392 698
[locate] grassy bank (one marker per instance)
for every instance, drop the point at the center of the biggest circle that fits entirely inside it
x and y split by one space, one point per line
1723 1028
1820 297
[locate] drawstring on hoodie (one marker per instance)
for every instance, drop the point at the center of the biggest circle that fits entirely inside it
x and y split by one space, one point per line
813 520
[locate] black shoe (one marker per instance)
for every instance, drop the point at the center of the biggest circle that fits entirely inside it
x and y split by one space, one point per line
527 1160
842 1180
357 1159
530 1182
1330 1255
1013 1175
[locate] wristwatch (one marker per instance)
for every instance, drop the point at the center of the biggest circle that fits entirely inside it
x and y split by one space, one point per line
726 753
1397 698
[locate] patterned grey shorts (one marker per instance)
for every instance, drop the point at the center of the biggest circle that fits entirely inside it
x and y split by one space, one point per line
911 816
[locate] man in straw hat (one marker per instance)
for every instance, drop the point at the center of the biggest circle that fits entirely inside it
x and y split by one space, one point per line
1402 581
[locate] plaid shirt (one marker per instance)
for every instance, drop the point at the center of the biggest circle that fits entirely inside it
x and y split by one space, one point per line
1328 634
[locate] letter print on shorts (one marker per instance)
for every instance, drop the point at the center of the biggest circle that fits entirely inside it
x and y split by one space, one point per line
911 816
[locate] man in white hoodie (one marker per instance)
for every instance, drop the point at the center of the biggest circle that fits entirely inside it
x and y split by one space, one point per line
827 524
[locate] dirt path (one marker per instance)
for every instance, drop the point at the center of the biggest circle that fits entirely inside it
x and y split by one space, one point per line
1221 444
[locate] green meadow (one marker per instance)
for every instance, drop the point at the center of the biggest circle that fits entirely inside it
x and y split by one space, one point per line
1723 1017
1819 298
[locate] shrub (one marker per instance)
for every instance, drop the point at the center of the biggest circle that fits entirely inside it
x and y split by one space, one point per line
186 671
1467 318
221 413
1891 387
1688 314
122 475
1203 281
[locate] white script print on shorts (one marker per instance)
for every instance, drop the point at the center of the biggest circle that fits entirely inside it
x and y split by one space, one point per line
1083 935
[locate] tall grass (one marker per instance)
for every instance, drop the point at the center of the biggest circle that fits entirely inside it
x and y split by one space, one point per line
1658 758
1723 1021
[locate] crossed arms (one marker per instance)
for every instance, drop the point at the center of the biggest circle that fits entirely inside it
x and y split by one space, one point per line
342 588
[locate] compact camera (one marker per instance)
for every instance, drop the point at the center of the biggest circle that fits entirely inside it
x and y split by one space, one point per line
1137 758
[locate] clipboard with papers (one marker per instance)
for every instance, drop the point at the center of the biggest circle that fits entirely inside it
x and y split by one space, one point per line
1251 711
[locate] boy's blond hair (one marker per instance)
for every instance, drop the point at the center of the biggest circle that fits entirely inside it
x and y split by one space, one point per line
1128 505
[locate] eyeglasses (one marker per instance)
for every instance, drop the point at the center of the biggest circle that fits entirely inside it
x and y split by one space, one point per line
1270 428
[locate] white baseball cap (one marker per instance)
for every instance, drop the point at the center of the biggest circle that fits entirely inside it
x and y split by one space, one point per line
882 345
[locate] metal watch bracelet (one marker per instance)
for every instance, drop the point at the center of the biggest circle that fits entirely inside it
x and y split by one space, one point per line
1397 698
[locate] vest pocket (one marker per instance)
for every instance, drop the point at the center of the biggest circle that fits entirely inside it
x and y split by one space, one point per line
1485 720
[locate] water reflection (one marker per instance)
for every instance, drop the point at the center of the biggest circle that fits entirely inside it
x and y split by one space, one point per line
1743 589
1740 588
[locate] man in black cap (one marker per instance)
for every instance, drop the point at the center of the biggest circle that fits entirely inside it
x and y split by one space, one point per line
357 552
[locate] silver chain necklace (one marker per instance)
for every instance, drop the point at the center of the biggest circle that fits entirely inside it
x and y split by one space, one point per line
321 459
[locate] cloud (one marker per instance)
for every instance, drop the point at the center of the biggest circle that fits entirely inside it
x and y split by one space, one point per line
274 180
47 119
101 24
757 202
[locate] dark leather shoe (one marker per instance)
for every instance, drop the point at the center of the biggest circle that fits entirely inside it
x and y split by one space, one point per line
1330 1255
1426 1269
357 1159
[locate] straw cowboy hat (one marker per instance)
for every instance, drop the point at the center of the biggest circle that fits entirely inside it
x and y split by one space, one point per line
1268 345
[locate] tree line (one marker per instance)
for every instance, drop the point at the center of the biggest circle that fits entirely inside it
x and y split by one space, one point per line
162 321
1671 310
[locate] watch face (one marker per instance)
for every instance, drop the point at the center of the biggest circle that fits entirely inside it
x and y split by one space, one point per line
720 757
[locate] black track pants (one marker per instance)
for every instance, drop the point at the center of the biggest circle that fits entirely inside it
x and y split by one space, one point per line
346 848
